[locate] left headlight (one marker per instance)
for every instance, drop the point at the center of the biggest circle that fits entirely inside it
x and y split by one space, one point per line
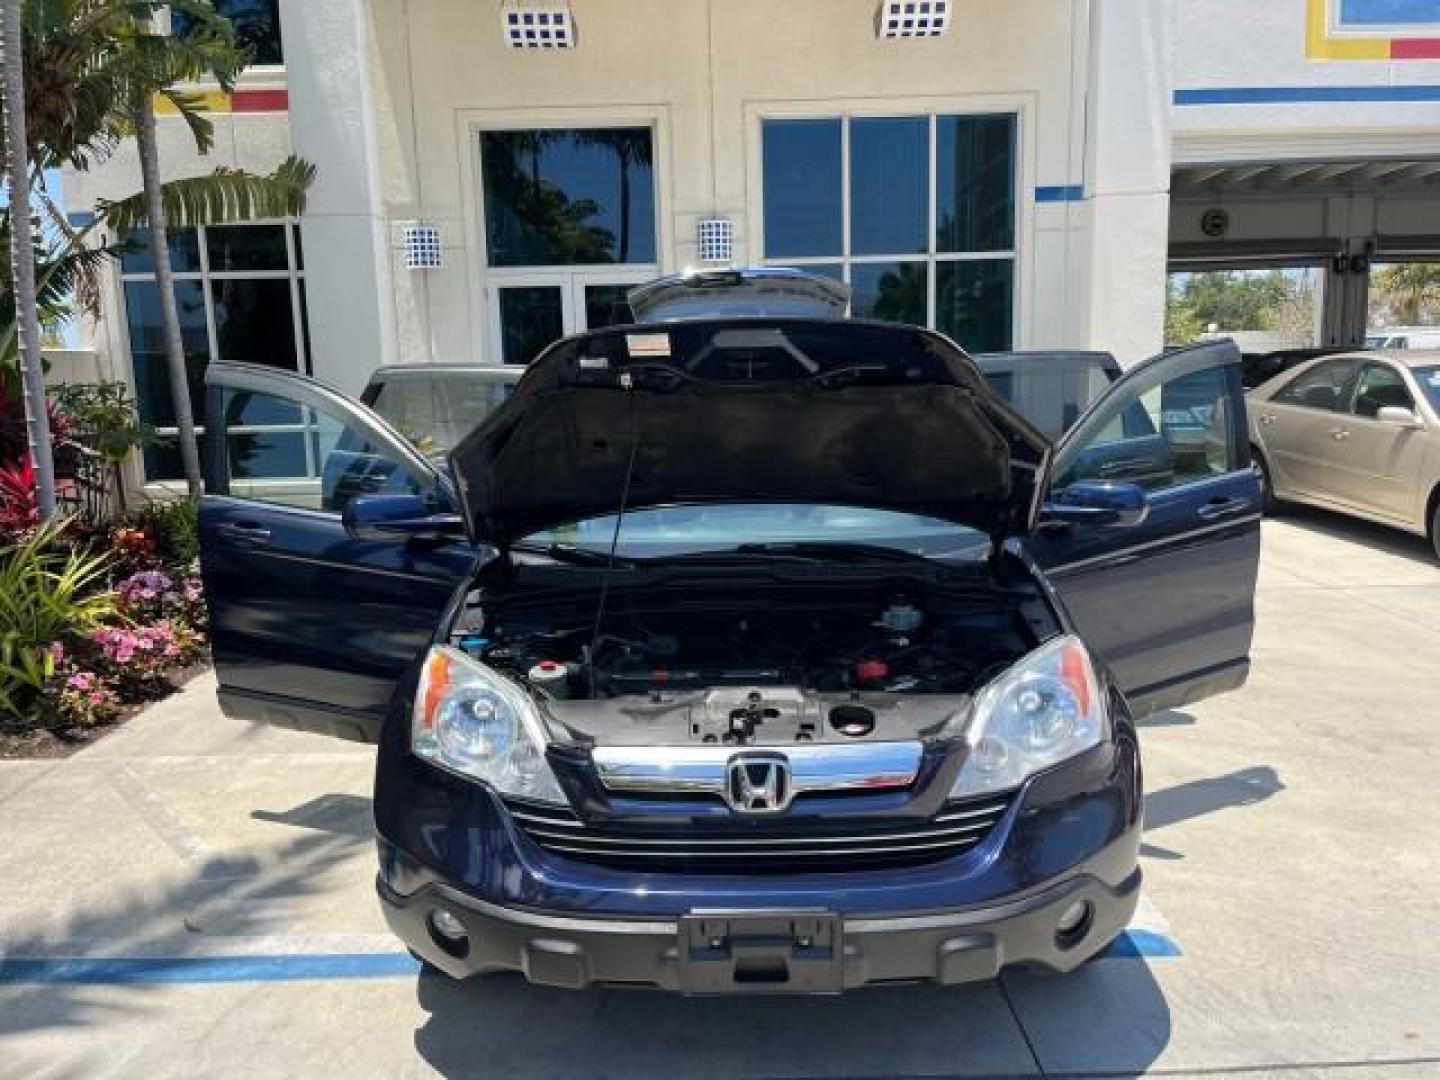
1044 710
473 721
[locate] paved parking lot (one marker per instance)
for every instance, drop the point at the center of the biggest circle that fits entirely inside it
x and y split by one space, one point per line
1293 862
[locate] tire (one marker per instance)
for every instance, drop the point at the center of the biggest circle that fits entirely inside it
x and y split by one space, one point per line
1270 506
1435 528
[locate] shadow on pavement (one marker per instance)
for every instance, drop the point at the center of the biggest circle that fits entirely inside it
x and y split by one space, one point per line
343 815
1244 787
1111 1011
1168 718
1353 530
216 900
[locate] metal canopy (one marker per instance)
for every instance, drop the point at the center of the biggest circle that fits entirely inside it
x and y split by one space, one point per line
1359 176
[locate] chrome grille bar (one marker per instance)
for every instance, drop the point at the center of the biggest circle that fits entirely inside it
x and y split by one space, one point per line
814 767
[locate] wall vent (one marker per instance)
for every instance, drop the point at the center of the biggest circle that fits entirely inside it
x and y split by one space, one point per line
422 247
537 24
913 18
716 240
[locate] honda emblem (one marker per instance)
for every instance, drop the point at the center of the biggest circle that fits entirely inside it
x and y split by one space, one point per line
758 783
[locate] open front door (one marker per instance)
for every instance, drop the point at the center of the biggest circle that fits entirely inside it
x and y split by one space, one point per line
311 628
1167 603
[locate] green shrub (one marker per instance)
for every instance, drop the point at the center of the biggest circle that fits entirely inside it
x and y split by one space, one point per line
175 528
49 594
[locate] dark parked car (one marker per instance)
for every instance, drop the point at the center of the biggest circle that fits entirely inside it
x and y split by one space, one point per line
1262 367
739 655
1051 389
435 405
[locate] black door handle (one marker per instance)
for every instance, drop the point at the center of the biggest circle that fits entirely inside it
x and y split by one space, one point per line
1220 508
243 533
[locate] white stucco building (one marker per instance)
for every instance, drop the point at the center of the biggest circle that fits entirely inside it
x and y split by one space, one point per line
1023 179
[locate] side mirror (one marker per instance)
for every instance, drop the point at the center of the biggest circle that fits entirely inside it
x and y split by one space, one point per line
1398 416
1097 502
398 517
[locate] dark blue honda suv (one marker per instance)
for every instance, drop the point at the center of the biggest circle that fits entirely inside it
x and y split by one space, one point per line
740 655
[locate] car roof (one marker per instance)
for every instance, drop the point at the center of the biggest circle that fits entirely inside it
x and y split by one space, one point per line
1408 358
510 373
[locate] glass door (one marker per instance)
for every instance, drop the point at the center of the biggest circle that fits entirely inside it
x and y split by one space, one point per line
529 311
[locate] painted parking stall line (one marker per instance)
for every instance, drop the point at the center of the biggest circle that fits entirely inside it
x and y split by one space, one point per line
132 971
246 961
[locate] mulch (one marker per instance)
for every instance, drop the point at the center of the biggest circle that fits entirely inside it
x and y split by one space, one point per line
62 742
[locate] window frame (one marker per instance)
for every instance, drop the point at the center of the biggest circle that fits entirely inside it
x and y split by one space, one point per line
1127 393
1359 377
293 273
266 66
483 280
1019 256
309 397
1340 408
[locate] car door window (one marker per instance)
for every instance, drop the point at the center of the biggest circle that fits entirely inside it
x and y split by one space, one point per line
281 451
1161 435
1380 386
1320 387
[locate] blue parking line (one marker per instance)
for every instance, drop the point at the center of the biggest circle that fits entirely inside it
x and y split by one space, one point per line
1146 943
132 971
194 970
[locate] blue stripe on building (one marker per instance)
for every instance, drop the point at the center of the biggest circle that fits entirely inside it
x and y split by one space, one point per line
1060 193
1301 95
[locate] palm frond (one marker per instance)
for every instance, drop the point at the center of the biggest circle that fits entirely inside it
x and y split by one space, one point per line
191 110
224 196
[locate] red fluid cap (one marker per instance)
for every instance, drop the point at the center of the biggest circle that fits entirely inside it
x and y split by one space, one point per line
867 671
549 665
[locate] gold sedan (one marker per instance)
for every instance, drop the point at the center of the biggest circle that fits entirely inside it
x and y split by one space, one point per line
1358 433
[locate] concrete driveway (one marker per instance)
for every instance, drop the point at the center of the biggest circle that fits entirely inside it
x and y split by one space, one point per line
193 897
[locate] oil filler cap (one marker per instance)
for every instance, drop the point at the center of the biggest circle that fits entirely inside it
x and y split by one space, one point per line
852 721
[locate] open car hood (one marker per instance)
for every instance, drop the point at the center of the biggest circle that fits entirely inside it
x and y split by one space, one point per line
838 412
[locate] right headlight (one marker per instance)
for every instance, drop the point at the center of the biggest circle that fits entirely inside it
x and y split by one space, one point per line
472 720
1044 710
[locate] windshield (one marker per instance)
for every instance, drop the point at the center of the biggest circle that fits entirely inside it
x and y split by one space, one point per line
679 530
1429 380
436 409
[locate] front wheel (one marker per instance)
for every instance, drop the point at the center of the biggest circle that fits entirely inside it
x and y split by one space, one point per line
1435 528
1269 504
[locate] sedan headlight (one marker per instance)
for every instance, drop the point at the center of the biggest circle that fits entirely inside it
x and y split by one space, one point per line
471 720
1044 710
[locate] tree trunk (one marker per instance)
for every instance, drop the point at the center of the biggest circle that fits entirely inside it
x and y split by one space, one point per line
22 257
165 283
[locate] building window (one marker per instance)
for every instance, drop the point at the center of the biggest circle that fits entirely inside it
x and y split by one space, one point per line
917 213
569 197
240 290
257 27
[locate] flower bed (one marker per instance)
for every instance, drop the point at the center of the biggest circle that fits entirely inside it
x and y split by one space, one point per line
95 623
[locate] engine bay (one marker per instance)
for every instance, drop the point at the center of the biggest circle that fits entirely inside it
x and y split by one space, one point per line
752 661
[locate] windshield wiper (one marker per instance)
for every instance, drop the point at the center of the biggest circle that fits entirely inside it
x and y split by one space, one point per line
813 551
820 551
577 556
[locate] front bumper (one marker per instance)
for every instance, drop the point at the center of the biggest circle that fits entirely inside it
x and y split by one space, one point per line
950 947
1070 835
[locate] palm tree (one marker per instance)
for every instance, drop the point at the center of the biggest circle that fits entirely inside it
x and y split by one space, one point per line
97 67
631 147
37 426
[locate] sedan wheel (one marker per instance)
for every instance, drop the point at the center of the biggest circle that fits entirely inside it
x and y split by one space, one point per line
1269 504
1435 528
